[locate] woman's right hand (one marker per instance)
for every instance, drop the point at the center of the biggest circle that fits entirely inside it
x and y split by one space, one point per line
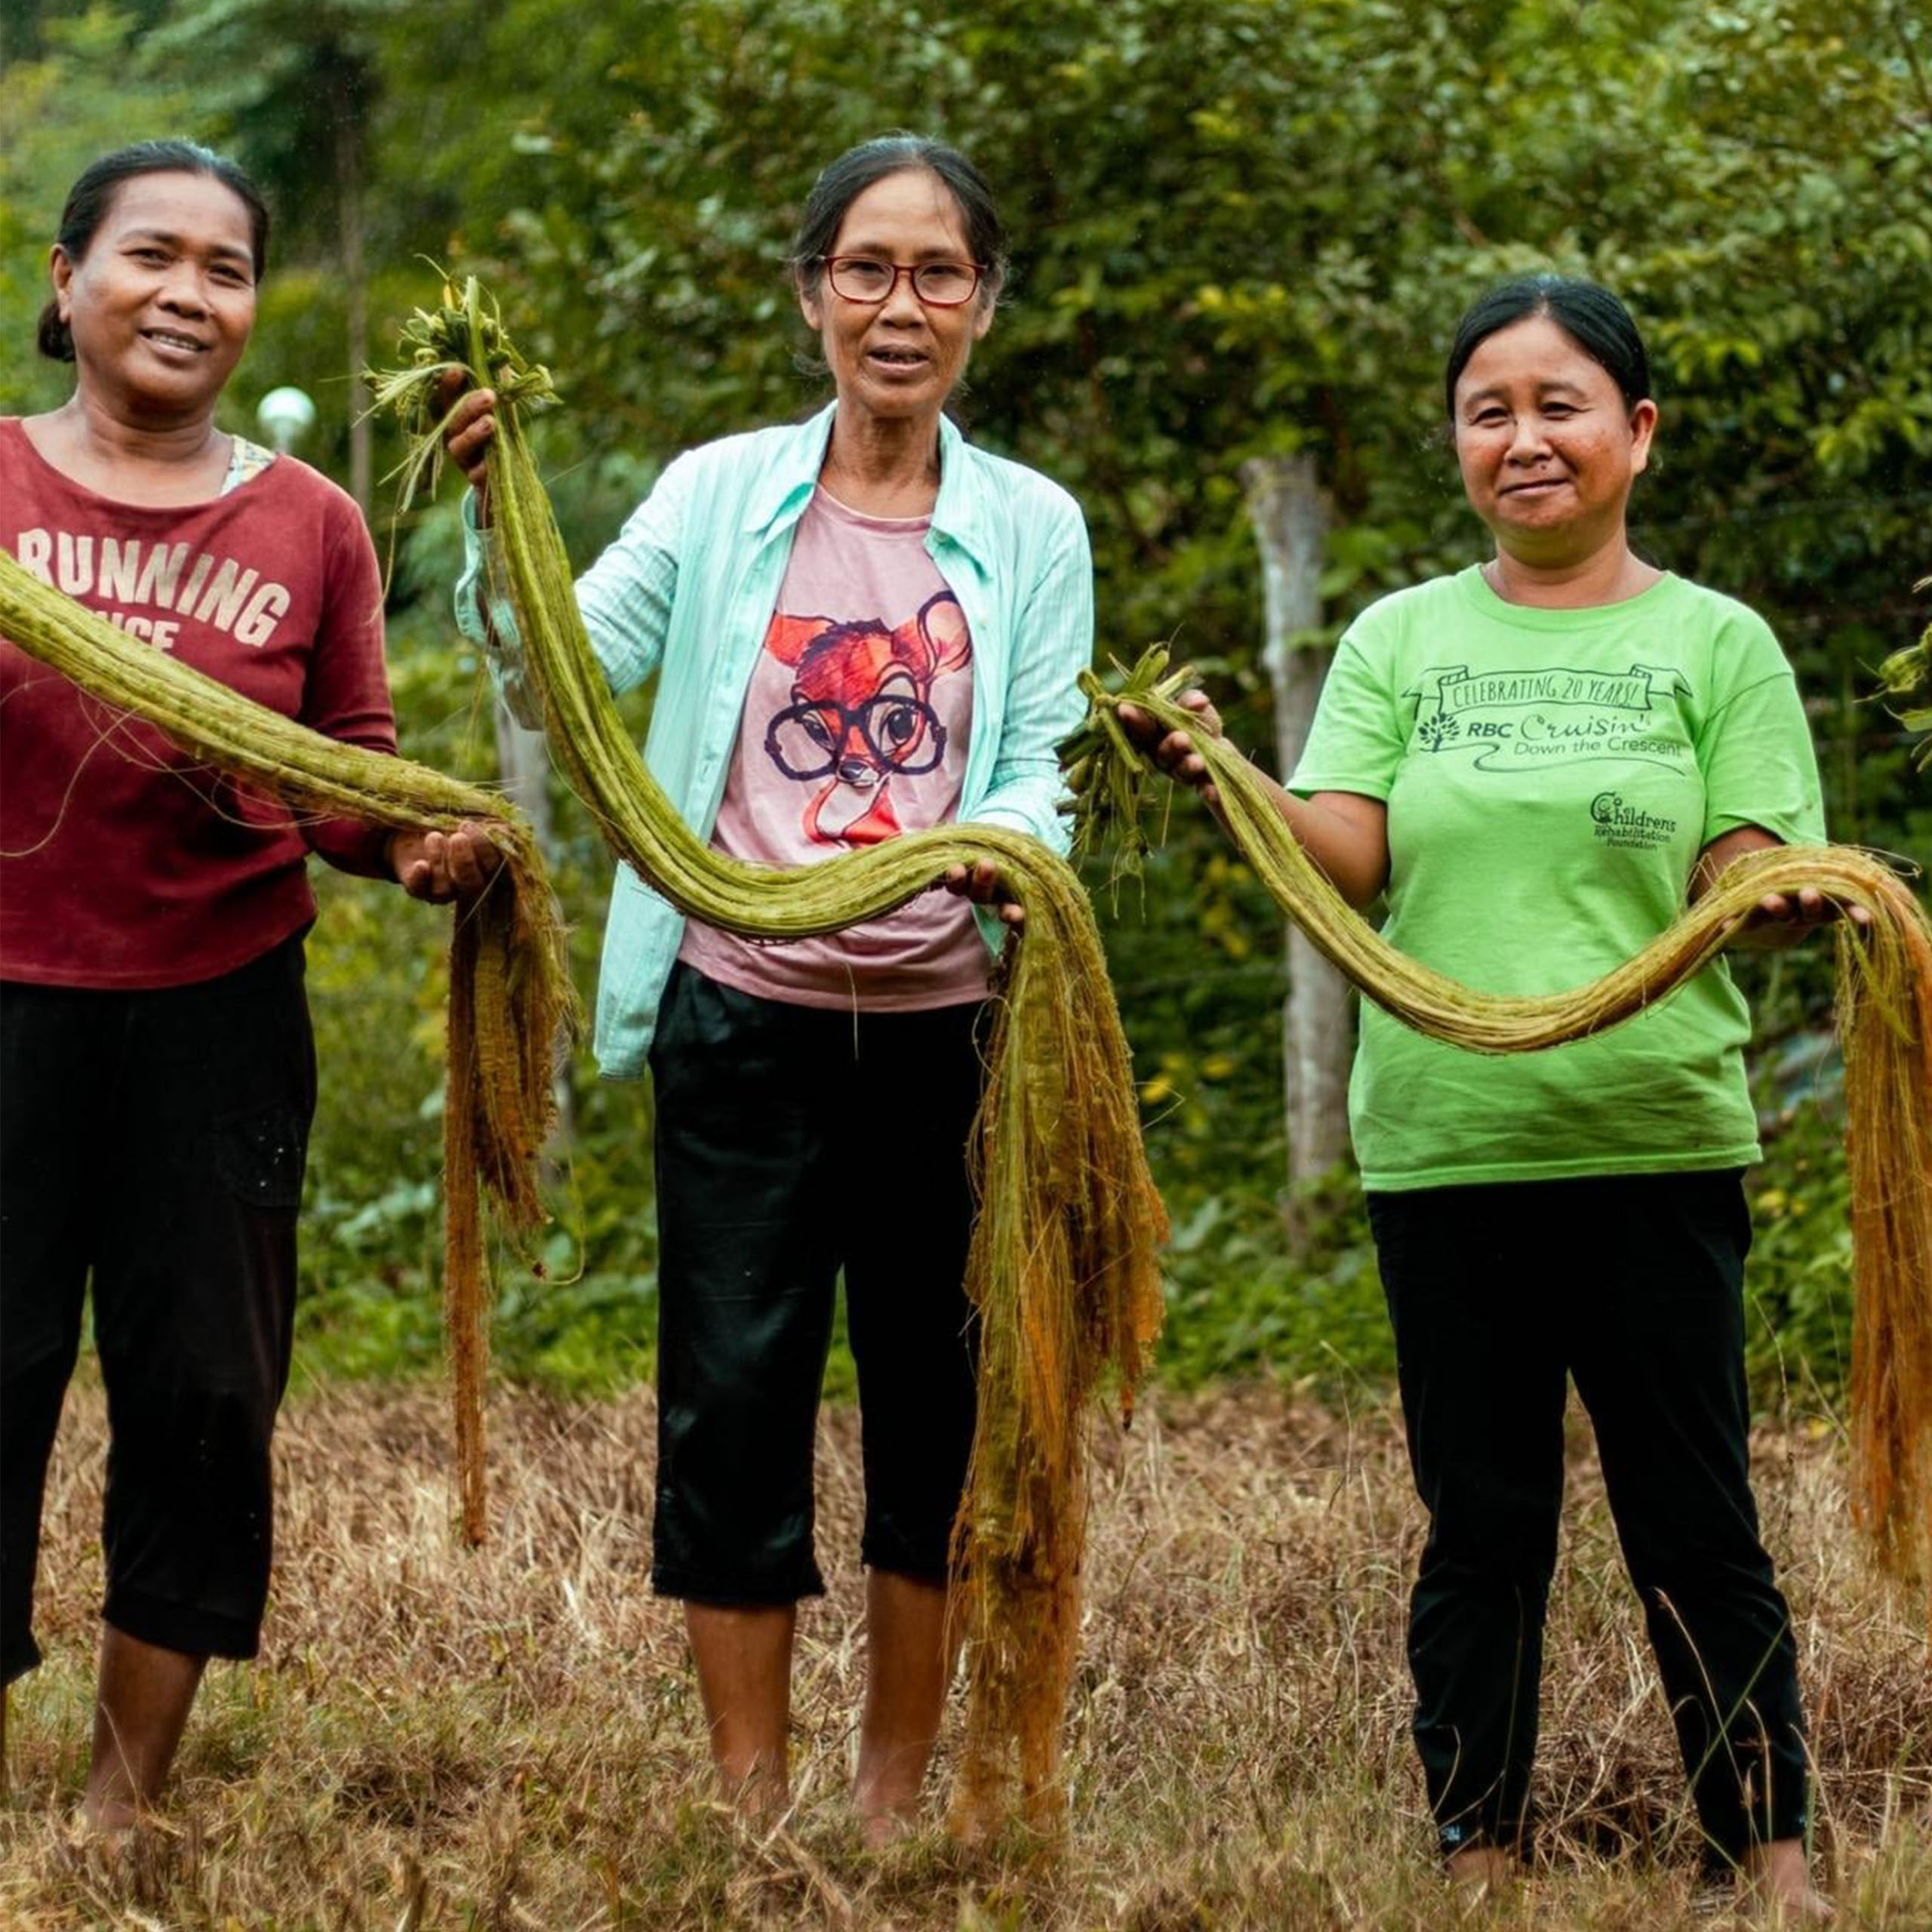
471 426
1345 833
439 866
1175 751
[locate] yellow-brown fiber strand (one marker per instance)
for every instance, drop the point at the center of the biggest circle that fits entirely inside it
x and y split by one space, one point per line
1884 1022
1062 1266
498 1103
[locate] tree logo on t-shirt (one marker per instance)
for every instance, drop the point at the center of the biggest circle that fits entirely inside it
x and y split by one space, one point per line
1436 731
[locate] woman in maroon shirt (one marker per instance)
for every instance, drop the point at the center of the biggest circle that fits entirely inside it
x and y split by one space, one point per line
157 1074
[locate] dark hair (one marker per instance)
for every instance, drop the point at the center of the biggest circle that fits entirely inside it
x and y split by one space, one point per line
845 179
1592 317
93 194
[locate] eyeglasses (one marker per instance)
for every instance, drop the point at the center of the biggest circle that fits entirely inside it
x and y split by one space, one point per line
898 734
938 284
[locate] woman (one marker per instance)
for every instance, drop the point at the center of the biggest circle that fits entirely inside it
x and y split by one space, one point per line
1539 760
156 1069
861 624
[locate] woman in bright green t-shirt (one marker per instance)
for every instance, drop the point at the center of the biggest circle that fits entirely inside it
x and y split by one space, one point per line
1538 760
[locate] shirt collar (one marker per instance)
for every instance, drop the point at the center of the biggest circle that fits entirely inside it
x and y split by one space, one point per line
779 498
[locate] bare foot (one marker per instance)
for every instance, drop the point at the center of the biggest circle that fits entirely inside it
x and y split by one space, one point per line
1480 1871
886 1795
885 1826
108 1817
910 1643
760 1799
140 1710
1777 1887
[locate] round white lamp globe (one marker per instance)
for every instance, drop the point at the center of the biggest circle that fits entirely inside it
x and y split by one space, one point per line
285 415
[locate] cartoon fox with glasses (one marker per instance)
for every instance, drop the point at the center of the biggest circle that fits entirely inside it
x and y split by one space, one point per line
861 712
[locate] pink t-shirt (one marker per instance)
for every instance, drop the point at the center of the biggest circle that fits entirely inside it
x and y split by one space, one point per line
855 729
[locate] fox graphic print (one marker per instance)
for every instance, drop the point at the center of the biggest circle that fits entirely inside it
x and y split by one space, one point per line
862 712
855 726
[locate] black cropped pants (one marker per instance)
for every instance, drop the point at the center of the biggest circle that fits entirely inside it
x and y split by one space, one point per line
792 1143
1632 1285
154 1141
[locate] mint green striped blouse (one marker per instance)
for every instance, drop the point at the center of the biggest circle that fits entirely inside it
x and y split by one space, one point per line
687 591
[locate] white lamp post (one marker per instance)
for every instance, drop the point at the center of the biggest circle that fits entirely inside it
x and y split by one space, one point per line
286 415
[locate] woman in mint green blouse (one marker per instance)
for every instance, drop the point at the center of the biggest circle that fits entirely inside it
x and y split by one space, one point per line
858 625
1538 760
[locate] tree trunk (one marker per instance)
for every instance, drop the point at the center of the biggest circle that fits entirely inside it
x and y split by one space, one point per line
351 94
1290 522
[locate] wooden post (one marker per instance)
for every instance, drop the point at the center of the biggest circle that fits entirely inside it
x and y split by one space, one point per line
1290 518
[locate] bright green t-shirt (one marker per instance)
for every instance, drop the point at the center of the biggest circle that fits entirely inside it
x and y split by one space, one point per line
1551 777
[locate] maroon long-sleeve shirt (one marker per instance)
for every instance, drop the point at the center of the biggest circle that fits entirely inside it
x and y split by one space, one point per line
123 862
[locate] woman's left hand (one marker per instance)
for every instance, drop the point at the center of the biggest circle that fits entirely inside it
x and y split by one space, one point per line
982 884
439 866
1779 919
1782 919
1175 751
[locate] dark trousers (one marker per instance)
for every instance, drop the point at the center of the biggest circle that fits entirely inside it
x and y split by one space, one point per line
155 1141
792 1143
1632 1285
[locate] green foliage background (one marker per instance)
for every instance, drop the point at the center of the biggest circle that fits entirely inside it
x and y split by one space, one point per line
1241 227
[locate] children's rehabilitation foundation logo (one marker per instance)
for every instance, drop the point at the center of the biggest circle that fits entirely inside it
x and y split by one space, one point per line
1619 823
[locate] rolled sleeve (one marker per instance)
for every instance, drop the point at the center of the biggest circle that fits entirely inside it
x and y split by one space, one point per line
485 615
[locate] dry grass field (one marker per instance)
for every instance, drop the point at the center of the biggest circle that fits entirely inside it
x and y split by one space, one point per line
438 1739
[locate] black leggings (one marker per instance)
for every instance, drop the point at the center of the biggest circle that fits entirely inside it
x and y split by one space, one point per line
1632 1285
156 1140
793 1142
